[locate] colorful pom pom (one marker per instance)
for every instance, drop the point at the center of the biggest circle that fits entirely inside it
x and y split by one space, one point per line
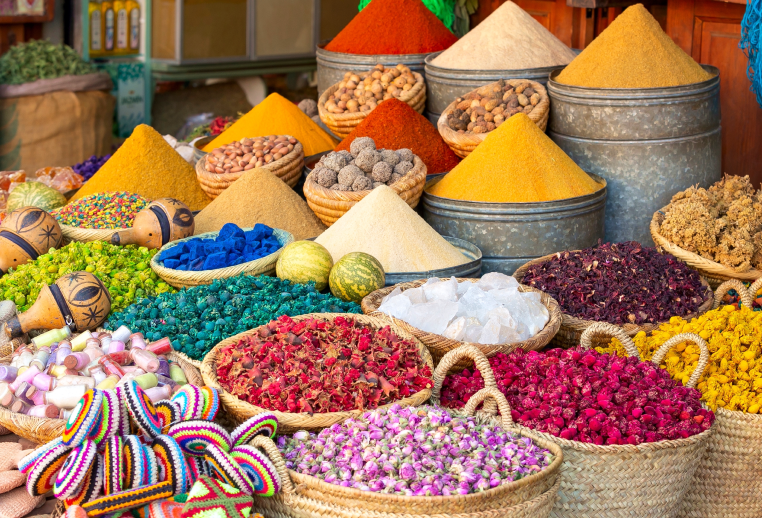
83 418
191 401
75 469
92 486
169 413
194 436
42 475
125 425
228 469
113 465
264 423
128 499
134 463
27 462
260 469
108 421
141 409
172 465
211 403
152 465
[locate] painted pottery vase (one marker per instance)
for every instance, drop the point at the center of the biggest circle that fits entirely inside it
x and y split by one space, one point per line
164 220
26 234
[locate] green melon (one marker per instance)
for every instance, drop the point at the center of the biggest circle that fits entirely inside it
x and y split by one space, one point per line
35 194
356 275
304 261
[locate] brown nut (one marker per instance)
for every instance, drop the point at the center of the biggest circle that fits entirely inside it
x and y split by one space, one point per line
491 105
479 129
488 117
523 101
535 99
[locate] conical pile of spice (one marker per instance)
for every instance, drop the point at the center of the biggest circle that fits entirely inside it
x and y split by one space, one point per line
393 27
633 52
516 163
276 115
384 226
260 197
395 125
509 39
146 165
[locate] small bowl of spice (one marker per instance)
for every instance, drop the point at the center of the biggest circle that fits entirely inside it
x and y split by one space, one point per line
98 216
282 155
467 121
344 105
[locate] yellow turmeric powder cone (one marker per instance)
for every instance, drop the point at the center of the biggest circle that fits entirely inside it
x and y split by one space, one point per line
516 163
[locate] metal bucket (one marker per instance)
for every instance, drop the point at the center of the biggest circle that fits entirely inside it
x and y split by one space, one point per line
331 66
443 85
472 268
647 143
511 234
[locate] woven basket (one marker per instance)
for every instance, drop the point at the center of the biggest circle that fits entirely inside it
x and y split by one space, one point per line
644 481
304 496
288 168
43 430
182 279
439 345
241 410
462 144
714 272
745 295
572 328
86 235
342 124
330 205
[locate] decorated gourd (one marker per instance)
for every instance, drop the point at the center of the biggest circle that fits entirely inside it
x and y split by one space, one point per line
164 220
34 194
78 300
26 234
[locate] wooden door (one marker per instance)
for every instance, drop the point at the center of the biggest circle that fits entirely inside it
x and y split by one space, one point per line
554 15
709 31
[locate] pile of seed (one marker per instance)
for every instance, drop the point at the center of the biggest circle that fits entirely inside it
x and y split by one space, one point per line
362 93
363 167
488 107
103 210
248 153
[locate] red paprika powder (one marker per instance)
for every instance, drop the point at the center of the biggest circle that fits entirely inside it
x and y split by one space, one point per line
395 125
393 27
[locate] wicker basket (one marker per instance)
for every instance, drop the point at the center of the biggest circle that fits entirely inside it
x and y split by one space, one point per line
572 328
463 144
745 295
291 422
288 168
714 272
330 205
86 235
342 124
645 481
182 279
304 496
439 345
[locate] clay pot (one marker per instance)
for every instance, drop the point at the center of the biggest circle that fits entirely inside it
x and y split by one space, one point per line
26 234
78 300
164 220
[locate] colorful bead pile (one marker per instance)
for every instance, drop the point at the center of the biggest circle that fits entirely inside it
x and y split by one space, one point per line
90 166
105 210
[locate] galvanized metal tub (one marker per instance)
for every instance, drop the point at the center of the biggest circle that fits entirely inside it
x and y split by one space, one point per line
443 85
511 234
472 268
647 143
331 66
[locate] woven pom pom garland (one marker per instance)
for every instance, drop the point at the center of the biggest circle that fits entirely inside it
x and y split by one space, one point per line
74 471
227 469
194 436
141 409
191 401
172 465
134 463
83 418
108 421
42 475
113 465
211 403
264 423
27 462
260 469
92 486
169 413
128 499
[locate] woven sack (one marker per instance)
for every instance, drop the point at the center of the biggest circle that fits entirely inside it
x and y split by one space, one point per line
462 144
182 279
240 410
714 272
329 205
304 496
439 345
342 124
288 168
87 235
617 481
571 329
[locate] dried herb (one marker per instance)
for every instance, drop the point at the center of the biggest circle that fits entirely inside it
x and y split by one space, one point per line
322 366
40 59
619 283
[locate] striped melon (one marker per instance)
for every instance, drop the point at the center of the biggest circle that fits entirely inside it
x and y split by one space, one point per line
356 275
35 194
304 261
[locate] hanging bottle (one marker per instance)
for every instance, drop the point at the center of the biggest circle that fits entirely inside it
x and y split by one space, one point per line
107 8
133 12
96 28
122 27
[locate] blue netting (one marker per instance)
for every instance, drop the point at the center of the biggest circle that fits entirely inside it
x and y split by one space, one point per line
443 9
751 39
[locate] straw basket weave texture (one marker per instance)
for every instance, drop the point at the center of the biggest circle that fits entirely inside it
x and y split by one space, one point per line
463 144
571 329
439 345
86 235
617 481
342 124
714 272
745 295
183 279
288 168
304 496
330 205
241 410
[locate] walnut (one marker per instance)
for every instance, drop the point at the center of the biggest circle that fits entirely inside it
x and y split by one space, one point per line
361 143
405 155
403 168
335 161
348 174
325 177
361 183
382 171
367 159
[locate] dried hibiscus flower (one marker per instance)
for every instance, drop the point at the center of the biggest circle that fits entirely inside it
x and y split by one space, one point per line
318 366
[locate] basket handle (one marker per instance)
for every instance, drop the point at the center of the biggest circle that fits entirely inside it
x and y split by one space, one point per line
747 296
450 359
678 339
497 397
272 451
606 329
